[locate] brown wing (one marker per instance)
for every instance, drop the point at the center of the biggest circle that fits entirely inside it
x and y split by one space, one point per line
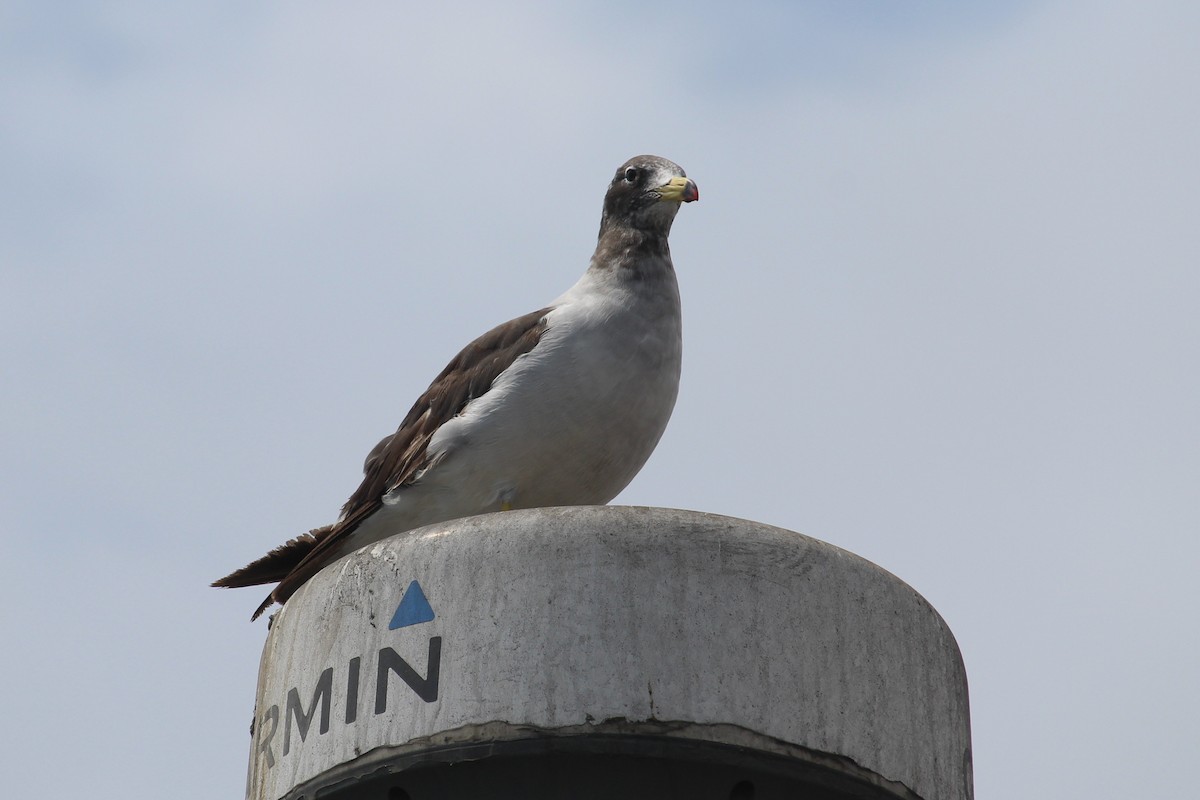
399 459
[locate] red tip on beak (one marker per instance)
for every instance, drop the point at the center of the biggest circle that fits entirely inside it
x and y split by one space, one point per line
691 192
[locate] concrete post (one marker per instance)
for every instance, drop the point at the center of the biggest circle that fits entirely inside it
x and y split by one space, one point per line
608 652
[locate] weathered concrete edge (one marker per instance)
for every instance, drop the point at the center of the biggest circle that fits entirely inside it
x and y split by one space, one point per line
476 742
526 737
731 523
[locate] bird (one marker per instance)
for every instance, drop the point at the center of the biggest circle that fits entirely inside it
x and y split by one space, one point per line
558 407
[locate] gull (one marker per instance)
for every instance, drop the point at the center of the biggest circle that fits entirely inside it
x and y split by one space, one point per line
561 406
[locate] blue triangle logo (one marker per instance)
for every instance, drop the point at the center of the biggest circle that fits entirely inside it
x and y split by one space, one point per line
413 609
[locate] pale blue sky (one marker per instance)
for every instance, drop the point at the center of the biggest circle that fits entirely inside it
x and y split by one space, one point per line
940 309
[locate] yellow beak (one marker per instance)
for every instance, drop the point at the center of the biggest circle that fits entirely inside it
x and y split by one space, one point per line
680 190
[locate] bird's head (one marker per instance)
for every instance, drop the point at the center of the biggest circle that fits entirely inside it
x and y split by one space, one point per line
646 193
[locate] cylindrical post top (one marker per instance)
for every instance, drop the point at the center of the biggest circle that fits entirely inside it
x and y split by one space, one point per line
609 651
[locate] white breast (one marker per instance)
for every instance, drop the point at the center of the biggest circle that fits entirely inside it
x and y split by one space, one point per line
573 420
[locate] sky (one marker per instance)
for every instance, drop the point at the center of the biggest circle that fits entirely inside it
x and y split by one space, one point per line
940 309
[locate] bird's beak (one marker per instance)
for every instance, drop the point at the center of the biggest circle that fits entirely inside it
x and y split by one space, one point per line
680 190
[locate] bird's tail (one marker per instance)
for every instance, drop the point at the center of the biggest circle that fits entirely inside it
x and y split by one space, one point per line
275 565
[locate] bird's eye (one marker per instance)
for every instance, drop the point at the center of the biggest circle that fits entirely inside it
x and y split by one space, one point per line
631 174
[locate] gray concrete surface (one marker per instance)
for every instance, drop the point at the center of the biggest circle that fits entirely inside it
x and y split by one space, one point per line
618 625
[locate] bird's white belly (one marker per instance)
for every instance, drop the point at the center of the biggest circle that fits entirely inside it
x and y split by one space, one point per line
571 423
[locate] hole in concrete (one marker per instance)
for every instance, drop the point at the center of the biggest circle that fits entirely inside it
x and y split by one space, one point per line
743 790
396 793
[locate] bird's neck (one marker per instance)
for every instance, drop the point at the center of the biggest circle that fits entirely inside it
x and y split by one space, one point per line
628 248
